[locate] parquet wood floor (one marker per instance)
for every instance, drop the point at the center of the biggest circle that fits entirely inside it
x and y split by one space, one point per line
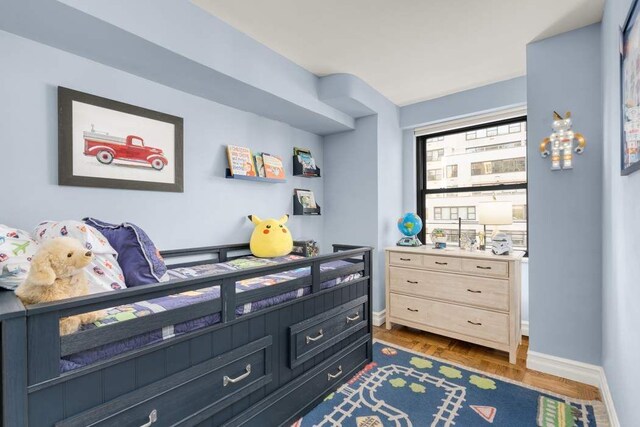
484 359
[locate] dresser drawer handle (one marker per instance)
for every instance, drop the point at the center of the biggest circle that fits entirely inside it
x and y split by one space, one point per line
353 318
474 292
474 323
226 380
153 417
412 282
415 310
442 263
336 375
483 268
405 259
316 338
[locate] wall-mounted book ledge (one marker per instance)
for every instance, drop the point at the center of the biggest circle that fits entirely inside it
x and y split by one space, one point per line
298 209
300 169
229 175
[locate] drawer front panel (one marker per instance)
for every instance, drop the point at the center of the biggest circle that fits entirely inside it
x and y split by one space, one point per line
469 321
443 263
483 267
412 260
315 335
197 392
478 291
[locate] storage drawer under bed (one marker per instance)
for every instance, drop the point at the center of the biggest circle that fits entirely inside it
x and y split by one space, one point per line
314 335
187 397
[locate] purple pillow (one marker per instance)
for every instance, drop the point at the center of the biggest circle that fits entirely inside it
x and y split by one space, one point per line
137 255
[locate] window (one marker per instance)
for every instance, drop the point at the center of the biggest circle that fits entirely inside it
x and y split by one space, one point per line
487 161
435 174
435 155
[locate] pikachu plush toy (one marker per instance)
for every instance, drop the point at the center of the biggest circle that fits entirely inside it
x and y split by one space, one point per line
270 237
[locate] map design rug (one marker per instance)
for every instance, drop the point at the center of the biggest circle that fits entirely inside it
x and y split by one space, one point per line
402 388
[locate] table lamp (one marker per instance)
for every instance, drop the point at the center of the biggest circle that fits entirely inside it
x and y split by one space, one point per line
494 213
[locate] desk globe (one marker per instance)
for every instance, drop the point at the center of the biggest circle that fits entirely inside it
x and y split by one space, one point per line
410 225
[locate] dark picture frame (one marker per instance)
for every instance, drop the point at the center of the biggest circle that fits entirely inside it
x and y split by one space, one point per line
149 159
630 99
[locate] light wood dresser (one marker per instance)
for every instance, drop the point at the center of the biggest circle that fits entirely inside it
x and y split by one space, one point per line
471 296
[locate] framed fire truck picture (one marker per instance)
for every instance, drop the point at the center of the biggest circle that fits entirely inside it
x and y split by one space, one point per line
106 143
630 90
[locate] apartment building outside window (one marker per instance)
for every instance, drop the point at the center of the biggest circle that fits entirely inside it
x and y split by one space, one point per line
458 169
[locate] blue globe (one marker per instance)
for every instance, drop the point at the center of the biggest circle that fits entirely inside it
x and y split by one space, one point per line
409 224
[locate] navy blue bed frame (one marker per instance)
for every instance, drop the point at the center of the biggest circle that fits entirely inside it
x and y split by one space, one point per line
265 368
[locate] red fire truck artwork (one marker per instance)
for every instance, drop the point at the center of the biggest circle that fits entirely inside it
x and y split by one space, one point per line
107 148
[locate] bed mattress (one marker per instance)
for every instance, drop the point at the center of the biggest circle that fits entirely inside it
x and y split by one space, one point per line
144 308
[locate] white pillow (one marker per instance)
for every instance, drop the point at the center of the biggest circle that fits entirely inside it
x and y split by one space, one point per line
104 272
16 249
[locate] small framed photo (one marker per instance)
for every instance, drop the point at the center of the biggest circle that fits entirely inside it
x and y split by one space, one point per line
110 144
630 91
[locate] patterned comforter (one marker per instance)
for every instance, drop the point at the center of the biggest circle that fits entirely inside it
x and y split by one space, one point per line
144 308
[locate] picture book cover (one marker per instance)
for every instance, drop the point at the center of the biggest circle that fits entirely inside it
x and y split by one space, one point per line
306 199
259 165
240 161
305 158
273 167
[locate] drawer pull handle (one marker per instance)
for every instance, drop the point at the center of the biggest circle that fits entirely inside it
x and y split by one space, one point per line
405 259
316 338
415 310
353 318
336 375
153 417
442 263
226 380
474 323
412 282
483 268
474 292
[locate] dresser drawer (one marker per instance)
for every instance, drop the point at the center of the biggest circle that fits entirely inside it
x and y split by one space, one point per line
410 260
443 263
473 322
478 291
486 267
187 396
314 335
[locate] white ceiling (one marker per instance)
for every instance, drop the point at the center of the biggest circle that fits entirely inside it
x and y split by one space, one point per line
409 50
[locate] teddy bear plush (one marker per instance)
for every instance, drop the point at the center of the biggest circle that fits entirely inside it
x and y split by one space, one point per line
57 273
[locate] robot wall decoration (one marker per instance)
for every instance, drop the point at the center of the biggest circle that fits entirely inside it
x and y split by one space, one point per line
560 145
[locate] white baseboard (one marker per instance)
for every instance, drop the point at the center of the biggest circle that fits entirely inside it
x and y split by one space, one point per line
379 317
577 371
524 328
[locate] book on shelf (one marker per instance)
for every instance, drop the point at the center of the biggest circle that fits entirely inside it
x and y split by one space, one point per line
240 161
259 165
305 158
273 167
306 199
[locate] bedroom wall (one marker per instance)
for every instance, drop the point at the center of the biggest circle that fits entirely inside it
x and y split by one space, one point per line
621 233
565 218
212 209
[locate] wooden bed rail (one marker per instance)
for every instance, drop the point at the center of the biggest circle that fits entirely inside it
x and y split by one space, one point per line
46 346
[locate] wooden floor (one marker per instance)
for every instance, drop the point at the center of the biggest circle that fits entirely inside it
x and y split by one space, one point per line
484 359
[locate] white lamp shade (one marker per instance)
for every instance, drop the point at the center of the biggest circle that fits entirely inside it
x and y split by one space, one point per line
495 213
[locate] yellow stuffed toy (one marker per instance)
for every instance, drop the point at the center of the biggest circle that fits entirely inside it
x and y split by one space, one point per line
270 237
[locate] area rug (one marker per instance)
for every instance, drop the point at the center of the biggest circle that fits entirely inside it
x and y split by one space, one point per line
405 388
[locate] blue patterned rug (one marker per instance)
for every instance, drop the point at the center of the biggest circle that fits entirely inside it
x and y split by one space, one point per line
403 388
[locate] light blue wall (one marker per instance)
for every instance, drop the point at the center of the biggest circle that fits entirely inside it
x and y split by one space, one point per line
565 218
212 209
621 234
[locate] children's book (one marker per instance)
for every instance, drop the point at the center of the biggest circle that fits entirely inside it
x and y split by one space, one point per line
305 158
273 167
259 165
240 161
306 199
